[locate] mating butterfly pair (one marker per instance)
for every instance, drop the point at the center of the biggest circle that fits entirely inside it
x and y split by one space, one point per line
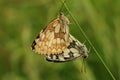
57 44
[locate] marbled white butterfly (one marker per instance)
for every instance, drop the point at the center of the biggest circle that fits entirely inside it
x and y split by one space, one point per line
57 44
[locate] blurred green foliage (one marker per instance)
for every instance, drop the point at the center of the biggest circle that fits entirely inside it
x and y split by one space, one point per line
21 21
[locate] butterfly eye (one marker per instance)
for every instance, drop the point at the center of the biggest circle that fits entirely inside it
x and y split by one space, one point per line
85 57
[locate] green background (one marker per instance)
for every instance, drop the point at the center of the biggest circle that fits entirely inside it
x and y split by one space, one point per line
21 21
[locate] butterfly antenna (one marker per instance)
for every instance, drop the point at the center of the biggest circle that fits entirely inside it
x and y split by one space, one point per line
83 66
89 50
62 6
84 42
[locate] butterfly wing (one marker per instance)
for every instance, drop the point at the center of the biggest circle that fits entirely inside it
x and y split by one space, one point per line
54 38
74 50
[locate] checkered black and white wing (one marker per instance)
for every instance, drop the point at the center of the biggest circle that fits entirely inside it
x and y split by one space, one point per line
74 50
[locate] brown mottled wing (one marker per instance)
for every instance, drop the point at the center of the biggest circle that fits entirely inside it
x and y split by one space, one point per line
53 39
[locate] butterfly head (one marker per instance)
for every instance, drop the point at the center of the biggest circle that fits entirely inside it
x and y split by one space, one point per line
84 51
63 18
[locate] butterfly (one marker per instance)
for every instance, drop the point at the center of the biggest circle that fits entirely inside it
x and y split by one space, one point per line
57 44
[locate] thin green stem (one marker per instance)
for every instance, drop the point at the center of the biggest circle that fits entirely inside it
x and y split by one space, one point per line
76 22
